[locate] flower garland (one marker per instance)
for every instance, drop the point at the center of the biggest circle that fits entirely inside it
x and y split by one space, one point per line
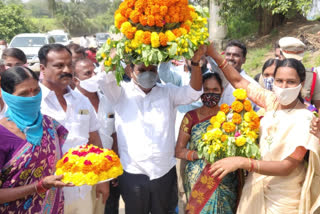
155 31
88 165
232 132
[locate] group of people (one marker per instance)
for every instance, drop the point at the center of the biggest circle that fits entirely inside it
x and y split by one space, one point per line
153 119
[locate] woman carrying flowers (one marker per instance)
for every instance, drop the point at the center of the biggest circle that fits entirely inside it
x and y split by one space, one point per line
194 124
30 145
280 182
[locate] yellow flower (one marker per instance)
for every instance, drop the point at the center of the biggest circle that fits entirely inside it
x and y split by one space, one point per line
216 125
210 127
217 133
155 40
108 62
108 41
240 141
224 138
247 117
252 135
103 55
229 127
240 94
171 37
221 117
213 120
237 106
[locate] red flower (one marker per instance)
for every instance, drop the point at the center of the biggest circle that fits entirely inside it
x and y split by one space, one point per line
65 159
87 162
109 157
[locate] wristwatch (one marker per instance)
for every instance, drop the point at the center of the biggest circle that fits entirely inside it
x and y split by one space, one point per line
195 63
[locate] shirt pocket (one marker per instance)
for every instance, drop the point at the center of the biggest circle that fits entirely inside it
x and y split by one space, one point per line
81 125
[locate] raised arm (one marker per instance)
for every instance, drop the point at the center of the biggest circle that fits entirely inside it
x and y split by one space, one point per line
196 75
231 74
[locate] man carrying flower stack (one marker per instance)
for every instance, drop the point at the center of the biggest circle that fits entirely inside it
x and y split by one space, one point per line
145 111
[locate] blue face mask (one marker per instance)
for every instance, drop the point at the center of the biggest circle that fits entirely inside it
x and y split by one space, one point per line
25 113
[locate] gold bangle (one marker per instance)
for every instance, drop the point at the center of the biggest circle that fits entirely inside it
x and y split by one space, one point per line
223 64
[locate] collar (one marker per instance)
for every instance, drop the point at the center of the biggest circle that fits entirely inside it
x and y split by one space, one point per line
46 92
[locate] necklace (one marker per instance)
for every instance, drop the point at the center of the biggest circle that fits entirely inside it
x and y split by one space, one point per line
288 110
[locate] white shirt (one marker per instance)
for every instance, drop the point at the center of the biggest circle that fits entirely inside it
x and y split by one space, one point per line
105 116
84 42
145 123
79 119
227 95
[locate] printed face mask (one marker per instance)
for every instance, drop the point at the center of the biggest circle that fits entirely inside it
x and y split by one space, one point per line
286 95
146 79
268 83
210 99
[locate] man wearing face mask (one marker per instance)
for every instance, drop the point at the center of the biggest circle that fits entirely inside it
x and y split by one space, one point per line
145 113
3 46
86 83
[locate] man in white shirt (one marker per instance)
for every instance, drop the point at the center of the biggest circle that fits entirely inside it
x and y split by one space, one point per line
235 55
145 113
86 83
75 112
84 41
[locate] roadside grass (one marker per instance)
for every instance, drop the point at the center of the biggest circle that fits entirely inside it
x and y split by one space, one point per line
255 59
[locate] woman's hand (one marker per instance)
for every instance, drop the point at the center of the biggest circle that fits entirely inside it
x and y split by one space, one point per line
315 127
222 167
54 181
199 53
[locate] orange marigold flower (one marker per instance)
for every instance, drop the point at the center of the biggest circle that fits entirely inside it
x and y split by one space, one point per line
128 12
236 118
163 10
139 5
229 127
172 10
224 138
247 105
167 19
175 18
254 125
143 20
187 27
177 32
163 39
225 108
119 20
146 37
134 16
159 21
237 106
155 9
151 21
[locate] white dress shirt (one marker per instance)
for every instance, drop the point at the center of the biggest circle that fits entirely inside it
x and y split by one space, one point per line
145 123
79 119
105 117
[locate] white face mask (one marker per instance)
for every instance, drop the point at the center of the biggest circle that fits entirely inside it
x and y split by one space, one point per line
90 85
286 95
3 47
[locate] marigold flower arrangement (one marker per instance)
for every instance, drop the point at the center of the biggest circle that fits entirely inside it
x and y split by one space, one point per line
155 31
233 131
89 165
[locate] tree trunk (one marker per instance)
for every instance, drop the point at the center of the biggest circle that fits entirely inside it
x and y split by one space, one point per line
267 21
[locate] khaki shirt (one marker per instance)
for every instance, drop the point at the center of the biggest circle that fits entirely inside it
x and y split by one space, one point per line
308 84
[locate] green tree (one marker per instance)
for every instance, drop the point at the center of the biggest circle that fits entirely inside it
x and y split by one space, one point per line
13 21
268 13
52 6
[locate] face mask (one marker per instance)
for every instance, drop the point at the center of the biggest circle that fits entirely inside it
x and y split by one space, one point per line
2 47
146 79
268 83
286 95
90 85
25 113
210 99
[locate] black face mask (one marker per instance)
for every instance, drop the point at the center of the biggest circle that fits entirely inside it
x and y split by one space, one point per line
210 99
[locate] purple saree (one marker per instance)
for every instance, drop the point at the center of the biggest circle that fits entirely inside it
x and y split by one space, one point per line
21 163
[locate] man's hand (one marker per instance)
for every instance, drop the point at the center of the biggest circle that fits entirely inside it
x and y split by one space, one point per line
199 53
103 189
315 127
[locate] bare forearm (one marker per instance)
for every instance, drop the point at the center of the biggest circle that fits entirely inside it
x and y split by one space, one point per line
115 143
94 139
196 78
182 154
271 168
13 194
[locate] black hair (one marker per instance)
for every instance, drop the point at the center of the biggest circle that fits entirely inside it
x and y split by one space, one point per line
77 49
269 63
238 44
16 53
14 76
213 75
295 64
44 50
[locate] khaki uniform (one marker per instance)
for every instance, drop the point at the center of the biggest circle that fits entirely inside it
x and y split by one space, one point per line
308 84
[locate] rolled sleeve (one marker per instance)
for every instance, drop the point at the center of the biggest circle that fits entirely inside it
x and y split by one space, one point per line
184 95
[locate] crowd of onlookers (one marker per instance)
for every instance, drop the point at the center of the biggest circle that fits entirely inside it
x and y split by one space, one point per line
154 119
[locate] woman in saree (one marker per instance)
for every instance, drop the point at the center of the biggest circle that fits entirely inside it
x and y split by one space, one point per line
280 182
30 145
194 124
